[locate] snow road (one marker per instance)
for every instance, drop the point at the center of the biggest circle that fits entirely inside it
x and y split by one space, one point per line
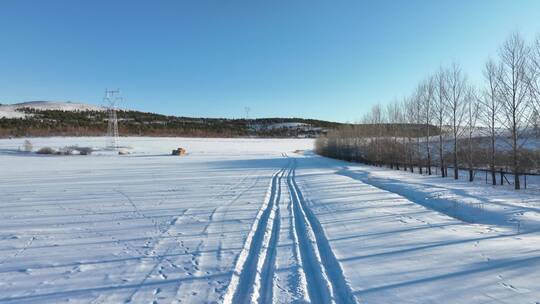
250 221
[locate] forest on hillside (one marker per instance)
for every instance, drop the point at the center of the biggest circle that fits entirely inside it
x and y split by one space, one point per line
135 123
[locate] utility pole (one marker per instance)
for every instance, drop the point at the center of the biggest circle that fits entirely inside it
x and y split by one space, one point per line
247 109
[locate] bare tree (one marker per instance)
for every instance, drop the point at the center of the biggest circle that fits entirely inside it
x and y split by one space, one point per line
373 124
394 116
427 95
534 82
534 73
472 109
377 121
410 118
514 88
490 107
457 90
416 104
439 111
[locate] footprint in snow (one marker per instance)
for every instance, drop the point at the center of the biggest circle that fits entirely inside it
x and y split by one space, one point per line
508 286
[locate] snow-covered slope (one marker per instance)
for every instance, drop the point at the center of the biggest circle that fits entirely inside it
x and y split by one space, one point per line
300 126
13 110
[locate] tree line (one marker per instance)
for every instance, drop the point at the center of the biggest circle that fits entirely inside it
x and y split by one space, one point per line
492 125
94 123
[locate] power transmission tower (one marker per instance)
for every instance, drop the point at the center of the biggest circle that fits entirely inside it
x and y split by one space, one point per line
248 124
112 100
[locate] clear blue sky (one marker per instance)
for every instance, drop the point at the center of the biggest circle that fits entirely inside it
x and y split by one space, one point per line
319 59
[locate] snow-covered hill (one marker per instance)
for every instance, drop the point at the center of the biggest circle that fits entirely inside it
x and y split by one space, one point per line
299 126
14 110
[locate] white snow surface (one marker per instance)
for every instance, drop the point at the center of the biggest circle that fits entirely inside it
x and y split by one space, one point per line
12 110
249 220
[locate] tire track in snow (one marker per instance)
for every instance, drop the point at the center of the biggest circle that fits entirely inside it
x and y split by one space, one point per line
264 277
325 280
296 280
255 264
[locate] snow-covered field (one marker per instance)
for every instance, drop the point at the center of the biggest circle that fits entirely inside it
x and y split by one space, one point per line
250 220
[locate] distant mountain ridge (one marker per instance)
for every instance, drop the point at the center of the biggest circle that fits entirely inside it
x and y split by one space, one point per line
54 118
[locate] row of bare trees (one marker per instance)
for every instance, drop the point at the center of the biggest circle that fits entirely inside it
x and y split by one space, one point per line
447 122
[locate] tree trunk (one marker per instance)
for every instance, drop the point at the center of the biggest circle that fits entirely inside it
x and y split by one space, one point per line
411 161
456 169
441 156
516 169
419 157
428 157
470 158
492 159
428 151
515 155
